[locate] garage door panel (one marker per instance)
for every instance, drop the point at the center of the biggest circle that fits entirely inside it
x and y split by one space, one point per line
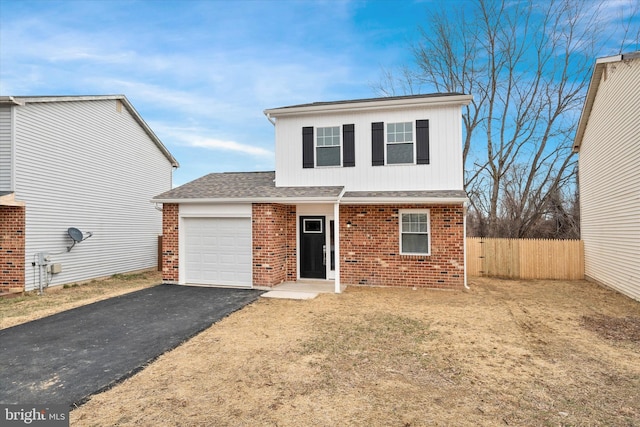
218 251
210 241
210 259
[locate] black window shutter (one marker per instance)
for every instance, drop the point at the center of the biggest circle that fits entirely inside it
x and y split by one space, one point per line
422 142
377 144
349 146
307 147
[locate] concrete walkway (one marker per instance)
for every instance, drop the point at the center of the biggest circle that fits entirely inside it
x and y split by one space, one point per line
64 358
302 289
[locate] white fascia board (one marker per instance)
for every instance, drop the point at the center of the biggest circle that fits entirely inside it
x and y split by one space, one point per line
149 132
30 99
607 59
403 200
369 106
594 84
10 100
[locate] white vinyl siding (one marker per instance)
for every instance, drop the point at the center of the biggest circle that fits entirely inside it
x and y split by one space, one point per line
610 181
5 148
89 165
445 171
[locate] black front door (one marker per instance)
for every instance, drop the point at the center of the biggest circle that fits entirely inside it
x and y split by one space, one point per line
312 247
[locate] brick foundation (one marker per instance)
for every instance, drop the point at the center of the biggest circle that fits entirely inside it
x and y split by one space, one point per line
12 247
370 249
274 243
170 255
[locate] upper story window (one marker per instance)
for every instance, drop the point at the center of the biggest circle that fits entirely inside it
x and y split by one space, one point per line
399 143
328 146
402 143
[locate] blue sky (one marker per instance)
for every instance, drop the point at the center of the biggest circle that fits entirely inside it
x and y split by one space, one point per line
201 72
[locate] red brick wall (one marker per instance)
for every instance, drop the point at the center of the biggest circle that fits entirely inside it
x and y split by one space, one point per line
370 248
12 237
292 245
170 229
274 243
370 252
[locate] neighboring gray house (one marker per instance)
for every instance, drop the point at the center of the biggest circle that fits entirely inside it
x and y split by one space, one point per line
84 162
608 143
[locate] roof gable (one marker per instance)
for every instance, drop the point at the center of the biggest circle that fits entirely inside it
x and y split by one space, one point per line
22 100
594 84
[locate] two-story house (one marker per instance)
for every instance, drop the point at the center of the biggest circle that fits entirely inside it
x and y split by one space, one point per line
88 164
365 192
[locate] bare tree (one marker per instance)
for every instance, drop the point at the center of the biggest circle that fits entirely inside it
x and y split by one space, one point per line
526 64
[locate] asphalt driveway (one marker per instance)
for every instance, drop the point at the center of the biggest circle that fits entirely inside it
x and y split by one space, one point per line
64 358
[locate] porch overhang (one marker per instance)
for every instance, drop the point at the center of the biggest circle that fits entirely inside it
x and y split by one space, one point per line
447 197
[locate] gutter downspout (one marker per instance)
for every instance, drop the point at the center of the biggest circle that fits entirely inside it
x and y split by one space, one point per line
273 122
336 241
464 242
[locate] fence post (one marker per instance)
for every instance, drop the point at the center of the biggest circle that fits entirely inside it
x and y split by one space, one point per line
483 258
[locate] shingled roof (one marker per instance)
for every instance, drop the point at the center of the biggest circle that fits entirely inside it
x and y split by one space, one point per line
244 186
260 187
385 98
389 102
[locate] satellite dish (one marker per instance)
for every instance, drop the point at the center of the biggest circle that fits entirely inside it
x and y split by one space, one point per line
75 234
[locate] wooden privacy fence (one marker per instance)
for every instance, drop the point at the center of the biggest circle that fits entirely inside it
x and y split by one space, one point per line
525 258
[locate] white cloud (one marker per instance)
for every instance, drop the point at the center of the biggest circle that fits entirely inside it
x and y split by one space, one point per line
216 144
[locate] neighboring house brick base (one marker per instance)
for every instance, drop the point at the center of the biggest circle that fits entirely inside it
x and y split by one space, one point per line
370 248
12 247
170 229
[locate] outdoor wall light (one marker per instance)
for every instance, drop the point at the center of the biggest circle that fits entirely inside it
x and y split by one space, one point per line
348 224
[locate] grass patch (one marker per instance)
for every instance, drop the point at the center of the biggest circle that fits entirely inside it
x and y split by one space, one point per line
380 336
127 277
361 351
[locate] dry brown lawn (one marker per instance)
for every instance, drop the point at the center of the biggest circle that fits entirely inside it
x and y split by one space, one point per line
525 353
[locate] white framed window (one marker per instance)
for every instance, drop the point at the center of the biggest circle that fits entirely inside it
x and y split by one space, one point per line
328 146
312 225
415 236
400 143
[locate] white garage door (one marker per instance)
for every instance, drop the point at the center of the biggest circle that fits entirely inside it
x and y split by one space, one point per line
218 251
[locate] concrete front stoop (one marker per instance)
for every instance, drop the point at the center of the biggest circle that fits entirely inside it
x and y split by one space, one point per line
301 290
